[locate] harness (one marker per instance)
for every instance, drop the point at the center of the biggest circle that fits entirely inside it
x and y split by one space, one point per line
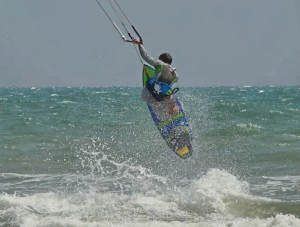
159 90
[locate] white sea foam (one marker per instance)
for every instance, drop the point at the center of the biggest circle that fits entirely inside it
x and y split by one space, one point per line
279 184
291 135
248 126
207 195
282 144
295 110
100 92
276 111
217 199
66 102
285 99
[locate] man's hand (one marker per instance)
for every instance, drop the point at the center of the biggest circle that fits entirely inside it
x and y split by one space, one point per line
173 109
135 41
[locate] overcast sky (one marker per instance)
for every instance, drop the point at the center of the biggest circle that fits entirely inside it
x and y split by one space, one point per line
213 42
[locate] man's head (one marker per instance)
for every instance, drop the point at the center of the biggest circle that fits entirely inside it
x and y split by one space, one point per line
166 58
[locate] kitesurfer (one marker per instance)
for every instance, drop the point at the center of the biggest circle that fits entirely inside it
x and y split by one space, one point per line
165 73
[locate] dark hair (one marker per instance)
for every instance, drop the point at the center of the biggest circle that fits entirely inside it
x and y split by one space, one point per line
166 58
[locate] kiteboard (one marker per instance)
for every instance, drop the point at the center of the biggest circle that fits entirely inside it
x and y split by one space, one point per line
174 128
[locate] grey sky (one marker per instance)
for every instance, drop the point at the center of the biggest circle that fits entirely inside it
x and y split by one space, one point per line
213 42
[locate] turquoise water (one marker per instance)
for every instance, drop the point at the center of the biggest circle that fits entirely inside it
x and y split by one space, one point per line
93 157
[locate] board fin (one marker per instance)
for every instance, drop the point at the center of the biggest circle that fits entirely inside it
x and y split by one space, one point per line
183 151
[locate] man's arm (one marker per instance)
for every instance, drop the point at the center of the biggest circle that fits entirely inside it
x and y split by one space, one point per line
147 58
176 78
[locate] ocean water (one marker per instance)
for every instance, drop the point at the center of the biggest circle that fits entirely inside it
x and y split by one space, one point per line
93 157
